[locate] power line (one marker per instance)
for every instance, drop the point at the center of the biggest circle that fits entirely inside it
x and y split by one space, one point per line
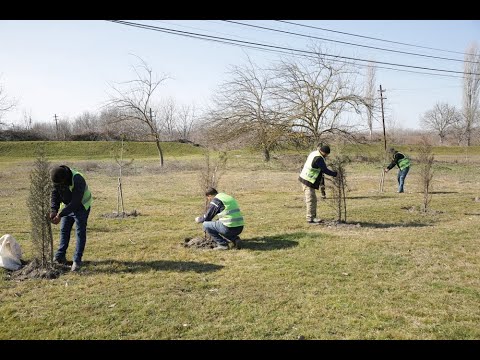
237 42
346 43
371 38
304 55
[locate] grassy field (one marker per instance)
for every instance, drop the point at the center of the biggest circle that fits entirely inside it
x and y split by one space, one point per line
398 274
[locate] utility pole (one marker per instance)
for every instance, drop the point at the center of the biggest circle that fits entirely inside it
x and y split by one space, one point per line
56 127
382 179
383 118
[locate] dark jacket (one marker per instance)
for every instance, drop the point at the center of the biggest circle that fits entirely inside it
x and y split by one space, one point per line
397 157
215 207
62 193
319 163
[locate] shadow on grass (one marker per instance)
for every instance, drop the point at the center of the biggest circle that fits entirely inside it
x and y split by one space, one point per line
443 192
116 266
271 242
383 226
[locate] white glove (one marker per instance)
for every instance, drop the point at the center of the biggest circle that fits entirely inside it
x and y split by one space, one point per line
197 219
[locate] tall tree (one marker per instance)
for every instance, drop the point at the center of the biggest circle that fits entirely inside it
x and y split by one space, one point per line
471 90
441 119
244 105
318 94
370 92
136 101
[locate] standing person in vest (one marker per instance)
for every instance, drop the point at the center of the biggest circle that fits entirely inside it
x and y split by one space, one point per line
403 163
230 219
311 177
72 197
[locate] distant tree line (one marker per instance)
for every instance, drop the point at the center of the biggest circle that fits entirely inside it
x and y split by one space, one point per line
297 101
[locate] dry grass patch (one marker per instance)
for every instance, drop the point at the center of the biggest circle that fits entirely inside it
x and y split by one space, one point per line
400 275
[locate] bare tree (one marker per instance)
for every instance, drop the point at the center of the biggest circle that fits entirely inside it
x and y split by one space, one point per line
85 123
441 119
213 169
118 155
135 103
27 119
64 129
6 104
458 130
167 118
339 187
211 173
244 106
471 90
186 121
319 93
38 203
113 129
425 160
370 95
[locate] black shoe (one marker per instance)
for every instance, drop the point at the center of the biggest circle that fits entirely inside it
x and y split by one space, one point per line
237 243
61 261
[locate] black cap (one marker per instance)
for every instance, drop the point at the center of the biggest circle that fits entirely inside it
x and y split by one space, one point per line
59 174
325 149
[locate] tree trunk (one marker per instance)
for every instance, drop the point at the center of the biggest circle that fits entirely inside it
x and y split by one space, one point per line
266 154
159 148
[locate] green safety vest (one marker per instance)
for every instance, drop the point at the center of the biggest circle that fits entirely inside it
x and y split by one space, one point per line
87 195
309 173
403 163
231 216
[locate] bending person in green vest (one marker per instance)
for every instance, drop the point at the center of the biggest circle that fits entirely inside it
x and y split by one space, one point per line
403 163
311 178
230 219
72 197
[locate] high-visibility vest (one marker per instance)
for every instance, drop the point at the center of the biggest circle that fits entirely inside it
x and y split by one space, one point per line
231 216
403 163
87 195
309 173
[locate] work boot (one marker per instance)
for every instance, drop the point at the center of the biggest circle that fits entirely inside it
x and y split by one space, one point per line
236 243
60 260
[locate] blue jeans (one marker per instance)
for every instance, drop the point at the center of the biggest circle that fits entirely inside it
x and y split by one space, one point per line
220 233
79 217
402 174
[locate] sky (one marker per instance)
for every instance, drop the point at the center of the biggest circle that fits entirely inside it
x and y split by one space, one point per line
68 67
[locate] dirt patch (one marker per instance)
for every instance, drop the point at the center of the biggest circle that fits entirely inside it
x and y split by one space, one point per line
120 215
340 224
417 209
34 270
199 243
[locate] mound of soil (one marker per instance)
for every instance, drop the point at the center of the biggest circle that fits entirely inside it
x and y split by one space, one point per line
121 215
34 270
199 243
336 223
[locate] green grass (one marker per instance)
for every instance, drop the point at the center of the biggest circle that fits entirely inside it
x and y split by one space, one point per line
400 274
93 149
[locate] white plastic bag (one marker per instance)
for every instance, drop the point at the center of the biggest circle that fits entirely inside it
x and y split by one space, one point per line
10 253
